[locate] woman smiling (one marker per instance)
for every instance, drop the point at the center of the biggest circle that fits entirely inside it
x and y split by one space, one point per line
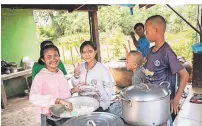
92 77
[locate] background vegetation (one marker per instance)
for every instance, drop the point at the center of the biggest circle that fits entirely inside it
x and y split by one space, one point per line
68 30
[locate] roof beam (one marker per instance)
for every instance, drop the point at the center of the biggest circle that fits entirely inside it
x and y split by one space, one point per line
146 5
149 5
83 7
69 7
142 5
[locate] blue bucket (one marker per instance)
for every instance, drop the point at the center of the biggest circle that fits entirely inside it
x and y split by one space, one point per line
197 48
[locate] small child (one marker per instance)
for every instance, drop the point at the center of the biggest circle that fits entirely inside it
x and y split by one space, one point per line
134 61
50 86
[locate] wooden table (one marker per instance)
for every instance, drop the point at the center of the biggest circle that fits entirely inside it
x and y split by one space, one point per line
24 73
190 113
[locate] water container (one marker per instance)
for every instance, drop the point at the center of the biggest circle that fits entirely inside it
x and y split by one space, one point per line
197 48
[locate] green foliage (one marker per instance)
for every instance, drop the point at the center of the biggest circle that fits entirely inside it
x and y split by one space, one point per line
182 47
68 30
76 60
116 41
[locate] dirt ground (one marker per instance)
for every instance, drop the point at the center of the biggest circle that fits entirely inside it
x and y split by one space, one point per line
19 112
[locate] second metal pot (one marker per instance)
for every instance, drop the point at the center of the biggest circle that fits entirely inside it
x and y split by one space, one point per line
95 119
148 105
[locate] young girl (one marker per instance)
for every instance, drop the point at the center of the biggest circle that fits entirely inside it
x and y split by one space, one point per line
93 74
49 87
37 67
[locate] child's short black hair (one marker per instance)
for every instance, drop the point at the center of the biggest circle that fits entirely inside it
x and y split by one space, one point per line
138 55
158 18
138 24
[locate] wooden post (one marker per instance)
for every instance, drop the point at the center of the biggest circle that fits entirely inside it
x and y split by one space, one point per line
199 20
93 22
3 95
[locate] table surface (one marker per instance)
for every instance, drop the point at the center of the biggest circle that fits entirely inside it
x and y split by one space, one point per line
27 72
190 113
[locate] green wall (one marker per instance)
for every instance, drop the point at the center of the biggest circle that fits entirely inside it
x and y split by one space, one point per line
18 35
18 39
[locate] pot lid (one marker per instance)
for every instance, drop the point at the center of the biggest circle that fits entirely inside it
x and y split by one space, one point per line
95 119
145 92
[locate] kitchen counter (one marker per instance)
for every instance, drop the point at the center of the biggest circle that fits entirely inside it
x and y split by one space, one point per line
24 73
190 113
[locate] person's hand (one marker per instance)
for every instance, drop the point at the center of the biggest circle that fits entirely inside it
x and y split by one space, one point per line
132 34
144 61
126 49
75 90
77 71
174 104
68 105
124 46
67 77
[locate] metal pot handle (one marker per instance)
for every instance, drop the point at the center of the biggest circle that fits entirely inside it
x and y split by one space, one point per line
169 92
53 118
126 100
91 123
166 83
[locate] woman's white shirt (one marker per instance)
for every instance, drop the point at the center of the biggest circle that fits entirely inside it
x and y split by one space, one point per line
98 77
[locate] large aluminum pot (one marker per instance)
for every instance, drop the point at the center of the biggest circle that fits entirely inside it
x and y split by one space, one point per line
58 109
146 104
95 119
121 75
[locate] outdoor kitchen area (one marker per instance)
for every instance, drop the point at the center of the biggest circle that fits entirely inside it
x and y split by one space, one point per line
52 84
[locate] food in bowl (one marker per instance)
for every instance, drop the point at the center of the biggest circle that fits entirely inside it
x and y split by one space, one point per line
77 110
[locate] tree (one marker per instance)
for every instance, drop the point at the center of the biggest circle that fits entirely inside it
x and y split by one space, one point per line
114 25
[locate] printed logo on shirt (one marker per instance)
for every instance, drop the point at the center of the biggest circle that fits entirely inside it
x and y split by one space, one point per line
157 63
93 82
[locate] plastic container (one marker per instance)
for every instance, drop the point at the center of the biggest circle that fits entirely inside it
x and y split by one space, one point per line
13 67
197 48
